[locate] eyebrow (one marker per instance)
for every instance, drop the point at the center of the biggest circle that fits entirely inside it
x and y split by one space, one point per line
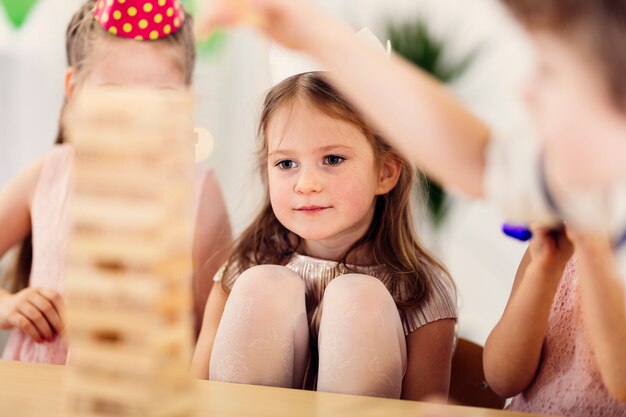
320 149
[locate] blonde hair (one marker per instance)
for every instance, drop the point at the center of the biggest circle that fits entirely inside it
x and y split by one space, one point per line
391 235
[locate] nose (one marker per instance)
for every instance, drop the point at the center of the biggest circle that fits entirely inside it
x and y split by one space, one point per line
307 182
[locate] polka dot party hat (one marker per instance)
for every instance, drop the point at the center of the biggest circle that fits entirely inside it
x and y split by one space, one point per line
140 19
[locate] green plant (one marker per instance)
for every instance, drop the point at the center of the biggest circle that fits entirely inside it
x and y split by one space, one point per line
414 41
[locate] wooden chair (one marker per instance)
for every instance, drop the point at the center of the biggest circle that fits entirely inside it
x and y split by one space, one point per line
468 385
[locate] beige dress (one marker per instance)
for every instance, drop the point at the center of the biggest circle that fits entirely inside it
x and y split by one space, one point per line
318 273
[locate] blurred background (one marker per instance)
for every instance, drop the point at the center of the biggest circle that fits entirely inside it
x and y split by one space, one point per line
474 47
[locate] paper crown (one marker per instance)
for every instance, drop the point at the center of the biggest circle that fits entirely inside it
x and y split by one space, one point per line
285 63
140 19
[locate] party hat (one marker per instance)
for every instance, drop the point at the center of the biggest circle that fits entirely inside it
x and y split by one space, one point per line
140 19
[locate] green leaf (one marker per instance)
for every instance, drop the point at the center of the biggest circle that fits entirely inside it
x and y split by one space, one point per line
18 10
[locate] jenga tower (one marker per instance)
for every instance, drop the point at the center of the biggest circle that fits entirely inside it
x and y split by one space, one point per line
129 265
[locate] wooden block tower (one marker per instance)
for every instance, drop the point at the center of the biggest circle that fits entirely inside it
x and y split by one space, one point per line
128 286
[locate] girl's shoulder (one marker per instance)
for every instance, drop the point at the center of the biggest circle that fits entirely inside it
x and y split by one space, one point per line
55 165
208 192
228 277
23 186
203 173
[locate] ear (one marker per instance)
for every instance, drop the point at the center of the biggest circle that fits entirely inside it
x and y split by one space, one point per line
390 170
70 83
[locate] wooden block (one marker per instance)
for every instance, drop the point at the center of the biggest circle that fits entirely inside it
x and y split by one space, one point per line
154 217
129 258
169 274
130 250
153 361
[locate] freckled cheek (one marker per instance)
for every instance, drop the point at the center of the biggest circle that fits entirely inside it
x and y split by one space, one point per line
354 197
280 200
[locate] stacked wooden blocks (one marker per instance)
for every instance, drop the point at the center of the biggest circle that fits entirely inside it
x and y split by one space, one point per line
129 266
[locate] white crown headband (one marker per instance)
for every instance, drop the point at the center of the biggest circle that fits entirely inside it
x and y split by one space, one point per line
285 63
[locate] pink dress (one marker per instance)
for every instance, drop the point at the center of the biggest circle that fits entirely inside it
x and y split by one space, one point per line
50 230
568 381
50 216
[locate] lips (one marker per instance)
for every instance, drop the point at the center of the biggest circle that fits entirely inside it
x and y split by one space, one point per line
312 209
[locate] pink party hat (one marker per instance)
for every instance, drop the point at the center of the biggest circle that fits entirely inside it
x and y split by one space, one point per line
140 19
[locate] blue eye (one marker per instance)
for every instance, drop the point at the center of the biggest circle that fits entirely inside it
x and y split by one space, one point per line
333 160
286 164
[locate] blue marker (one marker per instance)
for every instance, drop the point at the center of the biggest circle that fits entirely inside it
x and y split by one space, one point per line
522 233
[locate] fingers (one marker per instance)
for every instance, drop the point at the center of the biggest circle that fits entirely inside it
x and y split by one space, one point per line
55 298
38 313
19 321
49 304
37 319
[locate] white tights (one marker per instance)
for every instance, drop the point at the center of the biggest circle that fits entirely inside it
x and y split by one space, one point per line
263 336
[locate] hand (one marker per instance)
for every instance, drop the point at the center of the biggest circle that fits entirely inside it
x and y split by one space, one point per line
290 22
551 249
36 311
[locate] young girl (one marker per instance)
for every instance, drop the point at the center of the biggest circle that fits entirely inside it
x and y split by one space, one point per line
35 202
559 345
329 287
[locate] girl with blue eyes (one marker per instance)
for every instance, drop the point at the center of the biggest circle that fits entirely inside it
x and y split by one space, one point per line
329 288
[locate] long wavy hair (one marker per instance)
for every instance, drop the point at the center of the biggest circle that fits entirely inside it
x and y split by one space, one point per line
391 238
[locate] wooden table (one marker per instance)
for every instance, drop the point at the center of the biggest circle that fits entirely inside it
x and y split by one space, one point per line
32 390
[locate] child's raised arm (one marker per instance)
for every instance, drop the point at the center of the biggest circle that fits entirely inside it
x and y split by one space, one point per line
513 350
411 109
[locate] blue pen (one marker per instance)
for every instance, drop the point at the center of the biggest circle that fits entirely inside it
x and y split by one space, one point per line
522 233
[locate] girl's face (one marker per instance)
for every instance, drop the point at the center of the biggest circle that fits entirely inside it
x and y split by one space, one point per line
581 130
124 62
323 179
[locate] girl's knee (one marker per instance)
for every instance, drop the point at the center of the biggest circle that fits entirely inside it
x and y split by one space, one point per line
357 288
269 276
273 279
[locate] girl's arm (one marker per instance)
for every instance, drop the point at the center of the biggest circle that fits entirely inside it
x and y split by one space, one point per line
212 241
212 315
513 349
15 202
429 356
36 311
413 111
604 309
